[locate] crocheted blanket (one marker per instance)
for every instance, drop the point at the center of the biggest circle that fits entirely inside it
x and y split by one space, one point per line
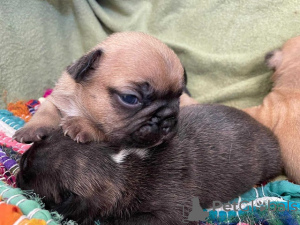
276 203
17 206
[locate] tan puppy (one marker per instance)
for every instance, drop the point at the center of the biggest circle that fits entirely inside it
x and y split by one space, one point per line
125 90
186 100
280 110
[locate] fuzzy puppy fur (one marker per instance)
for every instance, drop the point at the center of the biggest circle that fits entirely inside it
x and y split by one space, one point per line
280 110
218 153
126 89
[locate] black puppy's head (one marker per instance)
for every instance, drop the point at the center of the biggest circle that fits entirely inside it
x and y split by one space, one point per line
73 182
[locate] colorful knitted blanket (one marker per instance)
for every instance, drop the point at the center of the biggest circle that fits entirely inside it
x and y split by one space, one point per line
16 206
275 203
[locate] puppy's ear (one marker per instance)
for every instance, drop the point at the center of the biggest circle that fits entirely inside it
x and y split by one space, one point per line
82 69
185 90
184 76
273 59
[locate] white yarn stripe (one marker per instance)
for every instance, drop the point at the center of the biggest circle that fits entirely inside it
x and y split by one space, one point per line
8 200
19 202
257 195
49 221
8 130
5 190
227 216
10 177
20 220
14 168
6 160
262 189
31 214
238 215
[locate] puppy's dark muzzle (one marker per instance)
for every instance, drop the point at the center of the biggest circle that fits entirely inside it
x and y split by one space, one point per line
156 130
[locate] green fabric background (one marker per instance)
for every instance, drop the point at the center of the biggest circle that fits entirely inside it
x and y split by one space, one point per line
221 43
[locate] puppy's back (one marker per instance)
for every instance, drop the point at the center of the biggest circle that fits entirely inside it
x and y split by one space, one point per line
234 151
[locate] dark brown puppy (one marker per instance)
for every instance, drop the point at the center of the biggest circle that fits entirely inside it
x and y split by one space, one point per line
125 90
219 153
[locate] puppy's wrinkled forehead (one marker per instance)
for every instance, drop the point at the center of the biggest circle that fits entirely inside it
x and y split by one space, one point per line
139 58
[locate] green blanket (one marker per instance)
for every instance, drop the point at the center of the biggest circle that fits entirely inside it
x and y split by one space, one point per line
221 43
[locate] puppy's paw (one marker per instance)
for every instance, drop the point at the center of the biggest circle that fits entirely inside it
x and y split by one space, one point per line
32 133
80 129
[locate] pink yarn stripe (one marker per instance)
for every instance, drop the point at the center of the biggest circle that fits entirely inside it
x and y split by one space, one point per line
9 142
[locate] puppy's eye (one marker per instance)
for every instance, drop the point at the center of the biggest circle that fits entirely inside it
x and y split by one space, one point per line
129 99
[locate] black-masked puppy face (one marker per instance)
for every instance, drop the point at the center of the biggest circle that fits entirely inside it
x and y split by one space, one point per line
130 87
70 182
148 117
